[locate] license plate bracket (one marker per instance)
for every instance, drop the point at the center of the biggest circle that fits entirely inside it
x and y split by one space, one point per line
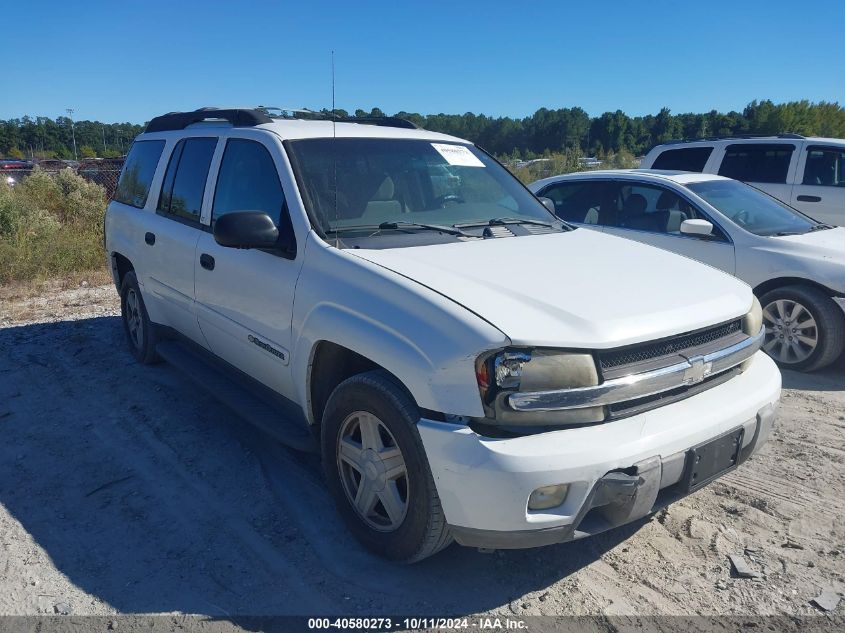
712 459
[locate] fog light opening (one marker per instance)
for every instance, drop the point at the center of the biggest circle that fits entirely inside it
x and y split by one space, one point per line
548 497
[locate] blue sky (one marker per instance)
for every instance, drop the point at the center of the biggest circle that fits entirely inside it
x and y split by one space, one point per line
128 61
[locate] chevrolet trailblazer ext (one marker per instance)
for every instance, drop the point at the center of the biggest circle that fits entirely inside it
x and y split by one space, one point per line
472 368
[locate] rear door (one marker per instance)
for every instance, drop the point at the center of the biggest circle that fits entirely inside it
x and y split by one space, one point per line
245 297
819 189
652 214
172 235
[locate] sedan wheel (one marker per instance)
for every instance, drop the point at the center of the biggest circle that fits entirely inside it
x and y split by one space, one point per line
805 329
791 331
372 471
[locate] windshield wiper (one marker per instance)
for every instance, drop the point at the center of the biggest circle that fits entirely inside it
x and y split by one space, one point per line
421 225
820 227
503 221
388 226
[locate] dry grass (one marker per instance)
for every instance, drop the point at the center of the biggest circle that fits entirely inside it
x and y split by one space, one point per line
50 225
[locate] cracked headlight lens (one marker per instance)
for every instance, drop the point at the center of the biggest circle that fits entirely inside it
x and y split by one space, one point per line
537 369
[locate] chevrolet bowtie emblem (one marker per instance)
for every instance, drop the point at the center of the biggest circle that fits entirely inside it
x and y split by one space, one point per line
698 371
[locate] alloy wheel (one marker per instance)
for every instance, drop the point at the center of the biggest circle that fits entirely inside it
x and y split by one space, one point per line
792 334
372 471
134 324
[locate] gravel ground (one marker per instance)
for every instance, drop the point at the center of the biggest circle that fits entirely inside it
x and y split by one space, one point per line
122 490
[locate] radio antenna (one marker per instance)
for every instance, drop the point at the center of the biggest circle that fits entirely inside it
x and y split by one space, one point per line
334 161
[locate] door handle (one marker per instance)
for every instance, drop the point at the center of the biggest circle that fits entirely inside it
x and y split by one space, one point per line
150 238
809 199
207 261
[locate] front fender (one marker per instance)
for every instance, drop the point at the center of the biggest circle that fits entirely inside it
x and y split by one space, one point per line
426 340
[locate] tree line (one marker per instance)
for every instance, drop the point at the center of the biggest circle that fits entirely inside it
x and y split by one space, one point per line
544 132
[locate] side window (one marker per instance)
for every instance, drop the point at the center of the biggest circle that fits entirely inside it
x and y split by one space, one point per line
133 188
653 209
579 202
184 181
825 167
686 159
757 163
247 181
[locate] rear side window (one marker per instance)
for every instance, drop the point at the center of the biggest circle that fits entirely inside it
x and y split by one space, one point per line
133 188
184 181
757 163
247 181
825 167
686 159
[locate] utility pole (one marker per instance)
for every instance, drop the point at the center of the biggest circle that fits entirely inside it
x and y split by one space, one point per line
105 151
72 131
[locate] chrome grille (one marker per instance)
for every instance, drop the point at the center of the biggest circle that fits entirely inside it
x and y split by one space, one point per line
645 352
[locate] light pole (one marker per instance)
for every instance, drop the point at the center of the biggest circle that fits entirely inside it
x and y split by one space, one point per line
72 132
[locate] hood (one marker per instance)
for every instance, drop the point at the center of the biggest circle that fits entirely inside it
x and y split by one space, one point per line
819 255
828 244
580 289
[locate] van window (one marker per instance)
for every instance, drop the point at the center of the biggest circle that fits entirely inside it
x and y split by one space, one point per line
751 162
685 159
825 167
184 181
247 181
137 174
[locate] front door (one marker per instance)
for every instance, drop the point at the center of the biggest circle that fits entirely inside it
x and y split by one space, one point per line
244 298
652 214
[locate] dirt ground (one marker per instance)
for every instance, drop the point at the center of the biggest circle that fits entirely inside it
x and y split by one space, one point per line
122 490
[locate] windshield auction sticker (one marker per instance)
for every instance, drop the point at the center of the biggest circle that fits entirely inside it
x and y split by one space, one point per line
457 155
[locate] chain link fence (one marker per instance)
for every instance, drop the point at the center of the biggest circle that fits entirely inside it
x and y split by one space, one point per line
102 171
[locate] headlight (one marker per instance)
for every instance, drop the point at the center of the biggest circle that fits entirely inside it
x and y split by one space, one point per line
751 325
512 370
753 321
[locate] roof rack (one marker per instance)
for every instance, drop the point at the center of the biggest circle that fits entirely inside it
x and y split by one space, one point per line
786 135
238 117
250 117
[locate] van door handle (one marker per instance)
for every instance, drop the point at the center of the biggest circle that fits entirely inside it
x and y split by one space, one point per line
150 238
809 199
207 261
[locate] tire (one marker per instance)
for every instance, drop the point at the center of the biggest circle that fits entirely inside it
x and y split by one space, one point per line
140 333
815 345
357 405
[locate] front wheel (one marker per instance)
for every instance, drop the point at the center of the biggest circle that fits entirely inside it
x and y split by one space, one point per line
805 329
377 471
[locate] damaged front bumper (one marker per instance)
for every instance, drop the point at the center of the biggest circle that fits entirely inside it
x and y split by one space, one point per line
617 472
619 497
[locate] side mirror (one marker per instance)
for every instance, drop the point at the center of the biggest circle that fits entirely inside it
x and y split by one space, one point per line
701 228
246 229
548 203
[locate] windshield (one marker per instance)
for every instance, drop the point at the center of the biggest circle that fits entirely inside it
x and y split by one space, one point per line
405 181
752 209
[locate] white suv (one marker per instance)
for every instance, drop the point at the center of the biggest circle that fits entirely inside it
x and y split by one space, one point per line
806 173
469 366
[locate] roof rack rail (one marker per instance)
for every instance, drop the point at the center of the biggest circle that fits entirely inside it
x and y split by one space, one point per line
250 117
785 135
238 117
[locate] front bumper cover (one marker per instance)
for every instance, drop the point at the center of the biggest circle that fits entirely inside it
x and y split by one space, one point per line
619 497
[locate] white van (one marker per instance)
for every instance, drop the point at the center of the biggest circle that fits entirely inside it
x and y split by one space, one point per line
807 173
